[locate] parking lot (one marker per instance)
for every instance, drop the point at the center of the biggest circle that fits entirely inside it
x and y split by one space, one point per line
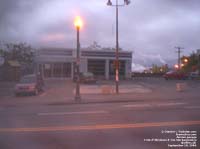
62 91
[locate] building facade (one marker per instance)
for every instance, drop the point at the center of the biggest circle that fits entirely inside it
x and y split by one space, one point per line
60 63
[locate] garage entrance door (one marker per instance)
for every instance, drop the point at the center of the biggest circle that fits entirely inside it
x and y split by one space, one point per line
57 70
97 67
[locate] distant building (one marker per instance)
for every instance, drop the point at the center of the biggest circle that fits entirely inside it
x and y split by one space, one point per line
60 63
198 51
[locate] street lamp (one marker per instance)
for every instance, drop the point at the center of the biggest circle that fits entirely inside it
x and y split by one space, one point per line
78 24
185 60
109 3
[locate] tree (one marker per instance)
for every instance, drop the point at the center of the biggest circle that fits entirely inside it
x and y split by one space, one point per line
155 68
160 69
164 68
96 46
21 52
191 64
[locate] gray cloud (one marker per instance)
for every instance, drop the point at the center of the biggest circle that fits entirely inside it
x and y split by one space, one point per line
149 26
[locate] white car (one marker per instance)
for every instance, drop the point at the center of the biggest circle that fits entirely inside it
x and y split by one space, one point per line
194 75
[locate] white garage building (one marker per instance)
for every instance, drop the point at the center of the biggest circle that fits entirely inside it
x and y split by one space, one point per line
60 63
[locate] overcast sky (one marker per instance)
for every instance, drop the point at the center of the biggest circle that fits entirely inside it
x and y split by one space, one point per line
147 27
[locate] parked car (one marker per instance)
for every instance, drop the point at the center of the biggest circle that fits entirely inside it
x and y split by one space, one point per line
31 84
194 75
86 77
175 75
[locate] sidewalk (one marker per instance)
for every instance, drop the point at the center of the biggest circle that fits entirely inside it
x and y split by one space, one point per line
6 88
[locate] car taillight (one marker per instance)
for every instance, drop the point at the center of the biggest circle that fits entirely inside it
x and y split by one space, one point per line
32 87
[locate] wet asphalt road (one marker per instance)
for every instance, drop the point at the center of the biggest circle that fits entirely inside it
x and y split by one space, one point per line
117 125
108 125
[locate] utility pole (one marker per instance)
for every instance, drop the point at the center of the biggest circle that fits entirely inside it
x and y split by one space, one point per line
179 56
198 55
109 3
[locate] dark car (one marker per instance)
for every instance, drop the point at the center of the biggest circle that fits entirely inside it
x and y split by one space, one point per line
31 84
175 75
86 77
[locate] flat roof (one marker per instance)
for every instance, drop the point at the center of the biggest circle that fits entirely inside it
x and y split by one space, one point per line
62 54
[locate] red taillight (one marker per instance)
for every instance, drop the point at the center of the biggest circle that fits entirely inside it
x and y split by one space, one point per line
31 87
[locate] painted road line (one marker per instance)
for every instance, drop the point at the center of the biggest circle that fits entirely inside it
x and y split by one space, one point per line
136 105
192 107
72 113
153 105
100 127
171 104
